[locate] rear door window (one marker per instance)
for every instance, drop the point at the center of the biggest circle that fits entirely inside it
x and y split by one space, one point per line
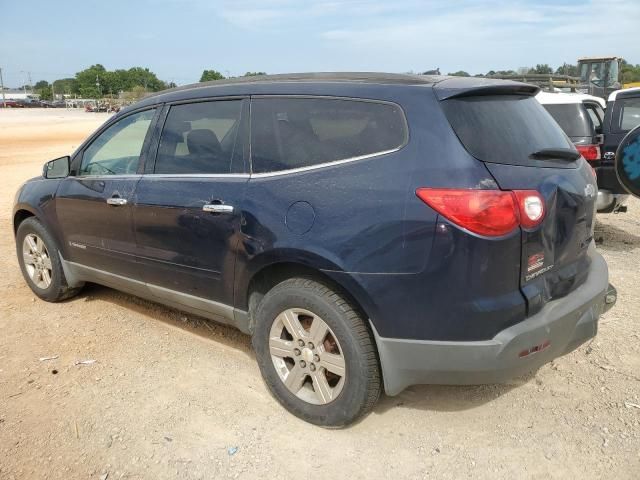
201 138
290 133
506 129
630 114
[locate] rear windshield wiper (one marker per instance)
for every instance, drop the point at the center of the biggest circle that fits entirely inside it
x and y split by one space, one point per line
561 153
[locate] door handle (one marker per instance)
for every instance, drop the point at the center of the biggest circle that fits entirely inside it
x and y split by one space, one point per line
117 201
217 208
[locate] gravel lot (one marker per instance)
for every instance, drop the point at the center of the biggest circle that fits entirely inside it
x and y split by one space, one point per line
174 396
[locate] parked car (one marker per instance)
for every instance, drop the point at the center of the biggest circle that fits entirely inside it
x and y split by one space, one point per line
582 117
53 103
627 162
10 104
622 115
31 103
368 231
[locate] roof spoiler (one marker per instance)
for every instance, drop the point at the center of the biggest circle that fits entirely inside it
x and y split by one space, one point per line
468 87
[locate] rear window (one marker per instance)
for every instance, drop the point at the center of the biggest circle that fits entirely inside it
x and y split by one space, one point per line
506 129
572 118
289 133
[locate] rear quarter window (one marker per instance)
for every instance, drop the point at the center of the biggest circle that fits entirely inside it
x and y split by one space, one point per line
506 129
573 118
290 133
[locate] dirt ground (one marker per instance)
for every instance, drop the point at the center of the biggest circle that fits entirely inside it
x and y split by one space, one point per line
173 396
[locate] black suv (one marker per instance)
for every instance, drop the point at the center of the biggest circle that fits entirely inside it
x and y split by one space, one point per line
368 230
622 115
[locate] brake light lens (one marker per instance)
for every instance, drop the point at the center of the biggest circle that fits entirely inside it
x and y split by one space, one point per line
590 153
490 213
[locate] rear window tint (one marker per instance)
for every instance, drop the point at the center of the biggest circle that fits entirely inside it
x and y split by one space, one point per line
505 129
630 115
288 133
573 118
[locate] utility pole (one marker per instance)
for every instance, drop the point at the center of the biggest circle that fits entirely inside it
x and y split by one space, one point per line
98 87
4 101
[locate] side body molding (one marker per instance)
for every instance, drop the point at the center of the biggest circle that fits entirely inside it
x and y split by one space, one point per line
76 274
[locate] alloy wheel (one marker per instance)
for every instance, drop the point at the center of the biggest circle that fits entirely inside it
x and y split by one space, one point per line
37 261
307 356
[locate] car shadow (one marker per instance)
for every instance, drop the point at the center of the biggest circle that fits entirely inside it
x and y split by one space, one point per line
202 327
443 398
448 398
613 238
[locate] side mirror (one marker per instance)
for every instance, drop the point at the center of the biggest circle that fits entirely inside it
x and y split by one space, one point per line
628 162
58 168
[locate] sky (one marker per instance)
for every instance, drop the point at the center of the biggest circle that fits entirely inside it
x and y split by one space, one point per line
177 39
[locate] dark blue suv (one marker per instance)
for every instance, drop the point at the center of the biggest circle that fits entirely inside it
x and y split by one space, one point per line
368 230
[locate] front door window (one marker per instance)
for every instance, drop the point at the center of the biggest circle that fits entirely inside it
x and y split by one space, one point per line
117 150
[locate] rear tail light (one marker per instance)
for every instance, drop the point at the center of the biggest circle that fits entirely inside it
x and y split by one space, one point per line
589 152
531 206
490 213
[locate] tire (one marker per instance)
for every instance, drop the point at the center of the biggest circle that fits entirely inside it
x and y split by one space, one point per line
339 374
50 285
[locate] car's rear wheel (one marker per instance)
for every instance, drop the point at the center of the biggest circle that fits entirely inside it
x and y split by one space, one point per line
316 353
40 263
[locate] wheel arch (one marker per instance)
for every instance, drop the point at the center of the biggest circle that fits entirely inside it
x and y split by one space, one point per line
268 275
20 215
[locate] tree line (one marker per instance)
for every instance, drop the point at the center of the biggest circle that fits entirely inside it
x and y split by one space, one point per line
630 72
98 82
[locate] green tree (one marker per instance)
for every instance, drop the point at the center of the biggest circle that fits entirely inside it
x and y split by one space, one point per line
45 93
459 73
97 81
143 77
43 89
568 69
208 75
41 84
91 81
254 74
67 86
542 69
630 73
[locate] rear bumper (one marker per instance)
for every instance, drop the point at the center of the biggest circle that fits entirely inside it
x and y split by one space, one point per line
565 323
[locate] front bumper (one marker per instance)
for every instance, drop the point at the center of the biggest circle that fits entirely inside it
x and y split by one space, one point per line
560 327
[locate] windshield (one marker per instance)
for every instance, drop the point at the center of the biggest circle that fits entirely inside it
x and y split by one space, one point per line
600 73
613 73
506 129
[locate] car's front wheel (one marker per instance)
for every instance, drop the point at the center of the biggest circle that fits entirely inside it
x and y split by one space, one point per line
316 353
40 263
